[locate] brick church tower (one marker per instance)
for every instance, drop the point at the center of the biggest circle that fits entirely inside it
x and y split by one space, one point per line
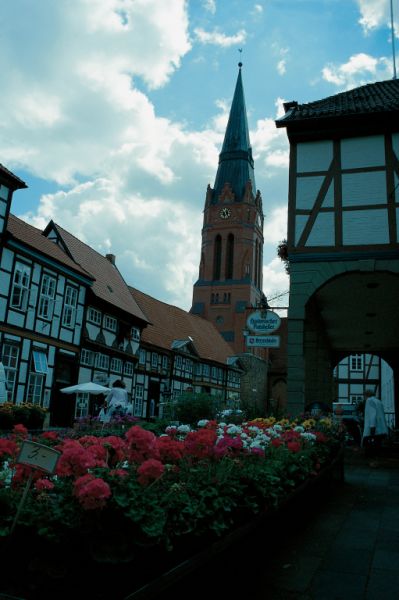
230 271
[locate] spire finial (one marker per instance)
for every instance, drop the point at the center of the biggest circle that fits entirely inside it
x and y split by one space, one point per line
240 63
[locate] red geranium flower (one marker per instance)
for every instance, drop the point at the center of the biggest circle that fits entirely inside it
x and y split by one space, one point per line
149 471
92 492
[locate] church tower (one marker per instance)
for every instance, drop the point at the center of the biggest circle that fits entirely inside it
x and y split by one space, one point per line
230 271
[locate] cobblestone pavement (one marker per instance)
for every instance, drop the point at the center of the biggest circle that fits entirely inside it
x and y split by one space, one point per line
339 544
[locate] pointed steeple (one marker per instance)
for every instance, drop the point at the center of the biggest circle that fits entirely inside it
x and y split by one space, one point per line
236 165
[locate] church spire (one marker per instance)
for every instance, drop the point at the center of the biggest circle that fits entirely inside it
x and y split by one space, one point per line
236 165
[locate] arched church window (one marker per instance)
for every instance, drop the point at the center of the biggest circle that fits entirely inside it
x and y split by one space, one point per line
217 257
230 256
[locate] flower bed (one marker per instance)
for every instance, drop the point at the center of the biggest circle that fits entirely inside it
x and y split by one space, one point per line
135 505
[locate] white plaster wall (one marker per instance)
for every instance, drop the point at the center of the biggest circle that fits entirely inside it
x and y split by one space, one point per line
364 188
322 232
314 156
307 189
360 152
365 227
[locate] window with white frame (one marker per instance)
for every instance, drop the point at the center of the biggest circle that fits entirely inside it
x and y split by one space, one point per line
178 361
356 362
94 315
87 357
128 368
189 366
9 358
82 405
70 303
116 365
35 388
110 323
135 334
38 371
198 370
47 295
102 361
205 370
20 286
154 360
40 362
142 357
164 362
138 401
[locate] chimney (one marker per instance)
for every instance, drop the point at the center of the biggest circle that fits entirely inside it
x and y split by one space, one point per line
111 258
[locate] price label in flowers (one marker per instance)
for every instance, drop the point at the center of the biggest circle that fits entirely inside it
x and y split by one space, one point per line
38 456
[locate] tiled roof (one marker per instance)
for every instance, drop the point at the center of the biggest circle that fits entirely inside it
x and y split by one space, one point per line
109 284
373 98
17 183
33 237
169 323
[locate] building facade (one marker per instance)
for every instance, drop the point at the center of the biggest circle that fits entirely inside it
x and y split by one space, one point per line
67 316
343 241
181 353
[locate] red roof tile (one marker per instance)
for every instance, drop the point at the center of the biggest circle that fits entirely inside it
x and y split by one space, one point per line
109 284
34 238
169 323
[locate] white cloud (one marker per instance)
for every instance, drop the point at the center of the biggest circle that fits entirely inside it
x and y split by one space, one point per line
374 13
275 281
218 38
275 226
143 234
360 69
270 143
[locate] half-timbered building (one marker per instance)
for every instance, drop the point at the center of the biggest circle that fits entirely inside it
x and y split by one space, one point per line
181 352
343 240
112 321
42 299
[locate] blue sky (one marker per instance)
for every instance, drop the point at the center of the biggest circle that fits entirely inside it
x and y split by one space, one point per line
114 111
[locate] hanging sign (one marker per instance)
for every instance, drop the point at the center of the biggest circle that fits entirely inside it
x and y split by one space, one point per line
263 321
263 341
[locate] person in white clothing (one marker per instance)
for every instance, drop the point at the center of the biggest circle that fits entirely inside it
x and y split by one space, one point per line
117 400
375 426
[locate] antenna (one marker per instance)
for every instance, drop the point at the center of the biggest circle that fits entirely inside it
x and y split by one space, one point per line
393 43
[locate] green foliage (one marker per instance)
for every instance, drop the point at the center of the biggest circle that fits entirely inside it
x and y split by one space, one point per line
27 414
191 408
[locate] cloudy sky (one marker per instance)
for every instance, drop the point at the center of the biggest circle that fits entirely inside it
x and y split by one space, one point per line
113 112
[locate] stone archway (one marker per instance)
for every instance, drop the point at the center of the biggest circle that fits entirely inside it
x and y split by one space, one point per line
339 307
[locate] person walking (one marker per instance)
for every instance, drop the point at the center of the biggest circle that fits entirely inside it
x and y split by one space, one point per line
375 427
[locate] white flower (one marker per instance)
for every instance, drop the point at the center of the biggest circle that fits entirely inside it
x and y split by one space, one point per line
184 429
309 436
233 429
299 429
202 422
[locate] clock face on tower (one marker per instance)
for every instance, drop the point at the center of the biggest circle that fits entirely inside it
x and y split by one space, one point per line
225 212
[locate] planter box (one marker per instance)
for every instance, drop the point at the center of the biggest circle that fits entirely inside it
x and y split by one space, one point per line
37 569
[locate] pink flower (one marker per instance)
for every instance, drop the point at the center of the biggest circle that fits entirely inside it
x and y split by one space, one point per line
20 430
142 444
92 492
149 470
76 460
200 443
294 446
170 450
8 447
43 485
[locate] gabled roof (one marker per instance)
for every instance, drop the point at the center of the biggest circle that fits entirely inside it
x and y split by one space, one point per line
170 324
34 239
13 181
236 165
371 99
108 284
